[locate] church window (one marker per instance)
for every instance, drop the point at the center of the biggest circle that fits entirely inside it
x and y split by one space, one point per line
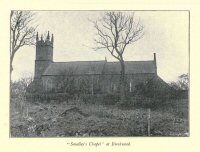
130 86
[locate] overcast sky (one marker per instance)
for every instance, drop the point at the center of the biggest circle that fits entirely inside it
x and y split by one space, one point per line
166 34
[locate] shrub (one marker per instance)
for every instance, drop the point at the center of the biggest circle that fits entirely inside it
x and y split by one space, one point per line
19 87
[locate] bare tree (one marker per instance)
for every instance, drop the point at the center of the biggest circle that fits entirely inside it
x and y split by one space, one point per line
22 33
115 31
182 83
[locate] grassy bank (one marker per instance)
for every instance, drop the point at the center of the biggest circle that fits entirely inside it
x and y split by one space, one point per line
77 118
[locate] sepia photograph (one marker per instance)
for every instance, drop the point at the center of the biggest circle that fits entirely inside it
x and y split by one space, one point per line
99 73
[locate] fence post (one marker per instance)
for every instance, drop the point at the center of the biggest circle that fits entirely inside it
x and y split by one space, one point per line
149 122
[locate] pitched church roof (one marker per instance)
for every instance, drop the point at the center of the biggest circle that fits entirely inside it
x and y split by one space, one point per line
131 67
75 68
99 67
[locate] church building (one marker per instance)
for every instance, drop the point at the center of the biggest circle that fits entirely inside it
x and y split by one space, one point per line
87 76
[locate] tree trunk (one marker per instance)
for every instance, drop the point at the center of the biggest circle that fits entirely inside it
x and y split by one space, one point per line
11 61
122 81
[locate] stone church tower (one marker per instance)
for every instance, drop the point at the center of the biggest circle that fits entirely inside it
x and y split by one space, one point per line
44 55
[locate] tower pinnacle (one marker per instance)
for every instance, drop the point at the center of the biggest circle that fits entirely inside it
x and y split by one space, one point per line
48 36
41 38
52 39
37 36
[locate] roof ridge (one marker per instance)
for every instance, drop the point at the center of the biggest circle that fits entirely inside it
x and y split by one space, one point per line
80 61
132 61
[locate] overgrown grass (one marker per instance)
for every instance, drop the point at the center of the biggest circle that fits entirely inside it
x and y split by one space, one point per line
79 117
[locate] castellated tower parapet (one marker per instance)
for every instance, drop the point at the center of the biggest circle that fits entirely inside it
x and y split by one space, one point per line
47 42
44 54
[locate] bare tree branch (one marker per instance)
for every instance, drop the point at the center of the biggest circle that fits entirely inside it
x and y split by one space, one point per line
116 30
22 32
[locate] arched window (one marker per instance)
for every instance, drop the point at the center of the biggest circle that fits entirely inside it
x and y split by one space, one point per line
130 86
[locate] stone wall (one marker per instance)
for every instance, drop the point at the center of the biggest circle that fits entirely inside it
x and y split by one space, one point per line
92 83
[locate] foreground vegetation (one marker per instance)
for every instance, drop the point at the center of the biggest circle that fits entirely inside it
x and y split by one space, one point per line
62 115
75 117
